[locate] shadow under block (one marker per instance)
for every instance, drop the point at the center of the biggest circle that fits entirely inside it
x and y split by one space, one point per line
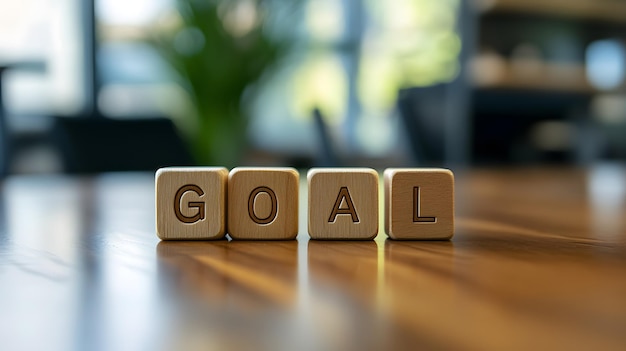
191 203
263 203
419 203
343 203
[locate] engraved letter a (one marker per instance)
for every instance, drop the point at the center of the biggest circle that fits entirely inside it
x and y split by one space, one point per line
343 194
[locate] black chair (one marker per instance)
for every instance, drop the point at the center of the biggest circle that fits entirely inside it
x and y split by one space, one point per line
422 111
327 153
97 144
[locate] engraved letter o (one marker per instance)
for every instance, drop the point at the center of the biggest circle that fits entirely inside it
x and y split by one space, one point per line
251 200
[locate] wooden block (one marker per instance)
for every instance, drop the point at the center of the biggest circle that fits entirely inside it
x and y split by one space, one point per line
191 203
419 203
263 203
343 203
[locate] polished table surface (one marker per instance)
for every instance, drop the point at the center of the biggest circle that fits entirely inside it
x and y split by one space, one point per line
538 261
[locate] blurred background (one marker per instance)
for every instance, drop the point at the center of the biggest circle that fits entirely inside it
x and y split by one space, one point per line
109 85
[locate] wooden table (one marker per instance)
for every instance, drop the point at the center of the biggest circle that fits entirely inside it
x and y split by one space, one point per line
538 262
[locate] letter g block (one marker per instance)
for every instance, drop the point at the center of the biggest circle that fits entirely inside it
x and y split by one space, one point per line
191 203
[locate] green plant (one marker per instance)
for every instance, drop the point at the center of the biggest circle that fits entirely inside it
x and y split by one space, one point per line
218 50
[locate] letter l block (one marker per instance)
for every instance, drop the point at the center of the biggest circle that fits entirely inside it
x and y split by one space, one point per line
419 203
191 203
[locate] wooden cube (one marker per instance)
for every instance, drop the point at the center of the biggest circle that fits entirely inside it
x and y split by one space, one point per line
343 203
263 203
191 203
419 203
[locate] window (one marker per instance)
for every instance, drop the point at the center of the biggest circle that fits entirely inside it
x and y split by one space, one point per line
42 38
352 58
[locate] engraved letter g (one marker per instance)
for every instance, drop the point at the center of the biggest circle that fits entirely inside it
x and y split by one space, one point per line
199 205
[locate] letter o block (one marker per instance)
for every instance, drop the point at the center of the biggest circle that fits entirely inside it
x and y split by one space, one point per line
419 203
191 203
263 203
343 203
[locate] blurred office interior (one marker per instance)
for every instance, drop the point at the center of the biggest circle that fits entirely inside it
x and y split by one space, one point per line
113 85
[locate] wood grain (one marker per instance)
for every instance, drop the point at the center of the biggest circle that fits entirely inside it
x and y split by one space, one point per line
537 261
419 203
263 203
191 203
343 203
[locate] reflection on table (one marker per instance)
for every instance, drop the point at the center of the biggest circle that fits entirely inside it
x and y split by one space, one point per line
538 259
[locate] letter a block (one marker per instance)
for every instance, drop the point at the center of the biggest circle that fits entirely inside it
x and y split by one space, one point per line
419 203
343 203
263 203
191 203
